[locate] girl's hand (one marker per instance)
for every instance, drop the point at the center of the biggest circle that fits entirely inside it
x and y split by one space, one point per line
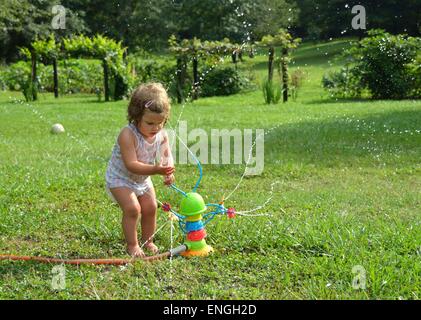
168 180
164 170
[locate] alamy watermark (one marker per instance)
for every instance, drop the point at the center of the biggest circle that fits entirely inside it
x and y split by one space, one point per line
58 282
359 21
224 146
59 20
360 279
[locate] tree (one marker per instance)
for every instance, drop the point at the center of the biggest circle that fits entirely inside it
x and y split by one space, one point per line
48 52
322 19
268 16
110 52
186 50
147 25
194 50
286 43
140 24
22 21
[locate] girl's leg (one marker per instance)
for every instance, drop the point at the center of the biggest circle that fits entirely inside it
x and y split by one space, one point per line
148 219
130 206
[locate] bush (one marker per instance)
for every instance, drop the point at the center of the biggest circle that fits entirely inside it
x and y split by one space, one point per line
78 76
18 77
342 84
271 91
75 76
415 72
222 82
383 63
297 78
147 69
152 70
3 85
15 76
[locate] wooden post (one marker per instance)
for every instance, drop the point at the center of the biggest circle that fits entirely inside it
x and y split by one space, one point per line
251 53
34 84
55 78
195 79
284 66
234 57
240 55
270 65
106 87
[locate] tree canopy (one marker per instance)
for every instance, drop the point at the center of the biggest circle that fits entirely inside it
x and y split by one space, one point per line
22 21
147 25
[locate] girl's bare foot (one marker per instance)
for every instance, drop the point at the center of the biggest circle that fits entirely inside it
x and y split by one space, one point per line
150 246
135 251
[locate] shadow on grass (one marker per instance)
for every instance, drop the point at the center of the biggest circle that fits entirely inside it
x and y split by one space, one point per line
333 101
353 100
62 100
389 136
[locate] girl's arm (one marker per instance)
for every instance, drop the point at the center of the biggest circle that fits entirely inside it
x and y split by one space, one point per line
165 151
166 157
126 140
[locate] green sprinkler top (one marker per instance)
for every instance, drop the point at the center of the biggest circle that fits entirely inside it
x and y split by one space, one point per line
192 204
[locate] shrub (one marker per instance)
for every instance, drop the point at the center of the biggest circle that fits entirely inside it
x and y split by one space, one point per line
18 77
383 63
3 85
415 72
222 82
271 91
297 78
118 87
342 84
79 76
146 69
74 76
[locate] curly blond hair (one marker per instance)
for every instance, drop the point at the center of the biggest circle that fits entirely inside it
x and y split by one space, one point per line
150 96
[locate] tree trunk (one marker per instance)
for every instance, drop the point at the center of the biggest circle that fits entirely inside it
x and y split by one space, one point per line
234 57
251 53
195 79
270 65
55 78
34 83
106 87
361 33
284 66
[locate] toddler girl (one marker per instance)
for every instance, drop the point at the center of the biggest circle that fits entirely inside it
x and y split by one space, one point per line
133 162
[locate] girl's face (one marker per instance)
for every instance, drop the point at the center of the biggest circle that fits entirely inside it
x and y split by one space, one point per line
151 124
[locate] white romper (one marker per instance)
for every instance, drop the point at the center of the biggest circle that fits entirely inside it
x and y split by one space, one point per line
117 174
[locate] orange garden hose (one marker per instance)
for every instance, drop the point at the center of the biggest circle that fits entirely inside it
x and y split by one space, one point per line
117 262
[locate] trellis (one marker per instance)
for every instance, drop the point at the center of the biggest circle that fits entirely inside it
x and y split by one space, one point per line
107 50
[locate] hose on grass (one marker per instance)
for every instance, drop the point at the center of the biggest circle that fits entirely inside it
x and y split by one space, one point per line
117 262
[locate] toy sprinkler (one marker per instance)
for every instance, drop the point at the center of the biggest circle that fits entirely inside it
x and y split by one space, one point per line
192 218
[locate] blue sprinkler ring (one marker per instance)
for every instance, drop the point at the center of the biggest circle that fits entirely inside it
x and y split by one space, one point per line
194 226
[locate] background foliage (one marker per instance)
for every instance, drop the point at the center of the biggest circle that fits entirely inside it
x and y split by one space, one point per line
147 25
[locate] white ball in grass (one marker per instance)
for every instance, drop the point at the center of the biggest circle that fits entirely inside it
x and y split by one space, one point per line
57 128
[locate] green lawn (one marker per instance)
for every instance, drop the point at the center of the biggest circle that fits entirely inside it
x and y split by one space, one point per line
347 198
